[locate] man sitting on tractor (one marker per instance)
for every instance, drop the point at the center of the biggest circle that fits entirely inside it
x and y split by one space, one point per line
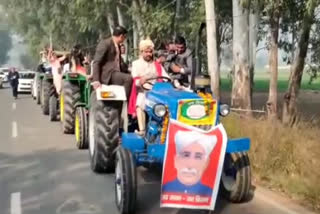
107 62
142 69
78 61
179 64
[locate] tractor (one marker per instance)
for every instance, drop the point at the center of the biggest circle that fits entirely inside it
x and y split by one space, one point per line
163 104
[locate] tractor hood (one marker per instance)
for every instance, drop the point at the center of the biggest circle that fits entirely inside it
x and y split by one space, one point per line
165 93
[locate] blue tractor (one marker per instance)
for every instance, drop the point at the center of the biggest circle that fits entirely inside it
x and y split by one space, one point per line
163 102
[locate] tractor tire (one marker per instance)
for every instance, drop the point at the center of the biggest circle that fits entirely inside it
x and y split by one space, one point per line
47 90
81 128
103 134
38 95
53 108
236 178
69 97
125 182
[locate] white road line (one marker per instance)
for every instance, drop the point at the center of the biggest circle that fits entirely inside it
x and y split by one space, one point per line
14 129
14 106
16 203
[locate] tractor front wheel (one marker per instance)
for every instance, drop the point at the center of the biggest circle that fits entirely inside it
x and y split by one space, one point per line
125 182
103 134
81 128
236 177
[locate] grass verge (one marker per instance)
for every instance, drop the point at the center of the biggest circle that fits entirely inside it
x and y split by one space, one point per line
261 82
282 158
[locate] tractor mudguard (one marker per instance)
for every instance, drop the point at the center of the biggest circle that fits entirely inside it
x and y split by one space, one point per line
238 145
132 142
80 104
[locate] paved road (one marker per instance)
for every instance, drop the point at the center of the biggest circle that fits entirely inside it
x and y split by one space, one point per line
42 172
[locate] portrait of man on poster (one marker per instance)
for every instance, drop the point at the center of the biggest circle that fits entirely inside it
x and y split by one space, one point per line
191 159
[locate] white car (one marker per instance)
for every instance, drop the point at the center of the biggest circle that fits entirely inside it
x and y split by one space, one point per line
25 81
1 82
4 74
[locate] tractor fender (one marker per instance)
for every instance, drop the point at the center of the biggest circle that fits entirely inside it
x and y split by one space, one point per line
238 145
132 142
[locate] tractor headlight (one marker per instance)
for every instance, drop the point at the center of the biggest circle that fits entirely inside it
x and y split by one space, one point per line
224 110
159 110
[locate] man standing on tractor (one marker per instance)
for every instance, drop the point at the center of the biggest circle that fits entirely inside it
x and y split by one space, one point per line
14 81
180 63
142 69
107 62
56 66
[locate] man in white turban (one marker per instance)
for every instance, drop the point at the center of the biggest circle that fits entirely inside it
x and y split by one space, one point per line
142 69
192 157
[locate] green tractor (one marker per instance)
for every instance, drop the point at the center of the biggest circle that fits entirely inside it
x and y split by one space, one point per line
73 92
81 124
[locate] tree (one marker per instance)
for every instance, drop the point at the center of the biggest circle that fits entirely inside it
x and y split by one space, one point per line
213 62
289 116
5 44
274 23
5 40
241 97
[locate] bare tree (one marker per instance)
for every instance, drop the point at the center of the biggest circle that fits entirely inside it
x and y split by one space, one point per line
273 59
289 115
241 97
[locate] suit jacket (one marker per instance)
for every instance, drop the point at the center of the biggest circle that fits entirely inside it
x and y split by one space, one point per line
177 187
105 62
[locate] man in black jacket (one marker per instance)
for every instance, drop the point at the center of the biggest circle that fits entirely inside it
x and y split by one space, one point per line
14 81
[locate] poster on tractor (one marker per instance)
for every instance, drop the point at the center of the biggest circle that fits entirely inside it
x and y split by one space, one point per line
192 167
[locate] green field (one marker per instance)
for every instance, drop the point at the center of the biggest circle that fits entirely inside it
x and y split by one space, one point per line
261 82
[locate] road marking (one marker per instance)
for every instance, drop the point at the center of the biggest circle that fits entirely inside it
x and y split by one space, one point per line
14 129
14 106
16 203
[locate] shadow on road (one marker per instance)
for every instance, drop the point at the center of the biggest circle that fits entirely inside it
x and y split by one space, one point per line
62 182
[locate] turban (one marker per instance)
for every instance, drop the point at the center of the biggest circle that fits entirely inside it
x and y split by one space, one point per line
186 138
145 44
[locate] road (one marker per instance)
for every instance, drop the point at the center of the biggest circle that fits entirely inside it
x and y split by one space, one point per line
42 172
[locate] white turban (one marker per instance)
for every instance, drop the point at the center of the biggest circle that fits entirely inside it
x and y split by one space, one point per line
186 138
145 44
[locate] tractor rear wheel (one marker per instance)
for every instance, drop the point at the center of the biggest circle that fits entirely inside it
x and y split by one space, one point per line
69 97
81 128
47 90
103 134
236 177
125 182
53 108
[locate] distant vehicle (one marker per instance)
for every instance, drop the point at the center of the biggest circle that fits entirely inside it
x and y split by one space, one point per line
25 81
4 74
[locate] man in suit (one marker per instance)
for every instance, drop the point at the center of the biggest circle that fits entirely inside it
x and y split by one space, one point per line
192 157
107 62
14 81
179 64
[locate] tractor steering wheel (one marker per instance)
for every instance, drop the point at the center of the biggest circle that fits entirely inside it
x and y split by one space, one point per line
150 81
